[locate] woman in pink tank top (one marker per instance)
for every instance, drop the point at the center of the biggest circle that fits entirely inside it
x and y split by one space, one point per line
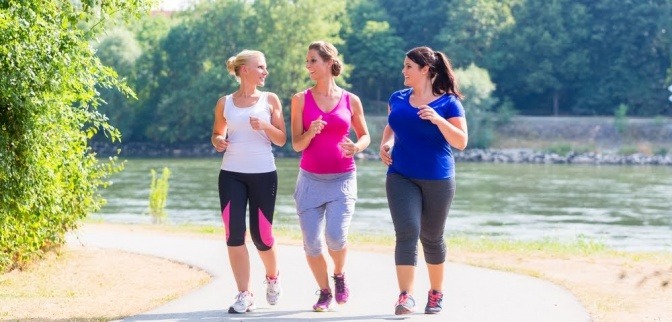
326 187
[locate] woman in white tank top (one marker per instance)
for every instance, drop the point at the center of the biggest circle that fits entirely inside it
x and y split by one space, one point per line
246 123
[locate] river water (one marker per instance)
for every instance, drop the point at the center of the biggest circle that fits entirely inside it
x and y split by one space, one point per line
628 208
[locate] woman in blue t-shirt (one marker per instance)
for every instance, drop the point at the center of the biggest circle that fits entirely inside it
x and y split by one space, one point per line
424 121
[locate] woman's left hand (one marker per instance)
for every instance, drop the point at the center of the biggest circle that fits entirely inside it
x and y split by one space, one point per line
348 148
427 113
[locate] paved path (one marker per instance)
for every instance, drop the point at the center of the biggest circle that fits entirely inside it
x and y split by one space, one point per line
471 294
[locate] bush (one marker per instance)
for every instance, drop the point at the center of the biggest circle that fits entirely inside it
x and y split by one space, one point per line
478 103
158 195
48 175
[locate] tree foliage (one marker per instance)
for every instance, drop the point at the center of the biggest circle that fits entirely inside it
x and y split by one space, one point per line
473 26
546 58
375 51
48 74
543 58
474 82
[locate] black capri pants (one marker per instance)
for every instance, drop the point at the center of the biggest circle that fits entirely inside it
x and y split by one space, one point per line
419 210
236 190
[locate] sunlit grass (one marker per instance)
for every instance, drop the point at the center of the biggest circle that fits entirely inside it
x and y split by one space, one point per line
581 246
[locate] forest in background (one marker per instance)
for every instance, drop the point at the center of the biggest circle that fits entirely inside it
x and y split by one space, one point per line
561 57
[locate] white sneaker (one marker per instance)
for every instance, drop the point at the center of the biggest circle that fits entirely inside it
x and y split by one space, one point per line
244 303
273 289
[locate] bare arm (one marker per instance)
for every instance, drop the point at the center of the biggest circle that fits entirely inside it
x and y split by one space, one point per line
300 138
275 130
386 143
360 128
218 137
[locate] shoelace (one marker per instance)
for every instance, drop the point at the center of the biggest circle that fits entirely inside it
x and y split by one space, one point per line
434 298
339 282
324 297
403 298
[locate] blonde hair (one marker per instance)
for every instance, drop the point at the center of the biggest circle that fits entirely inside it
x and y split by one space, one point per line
328 52
234 62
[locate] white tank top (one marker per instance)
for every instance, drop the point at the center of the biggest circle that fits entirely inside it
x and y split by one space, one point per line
249 150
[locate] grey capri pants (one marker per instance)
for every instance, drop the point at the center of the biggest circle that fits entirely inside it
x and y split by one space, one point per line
324 198
419 210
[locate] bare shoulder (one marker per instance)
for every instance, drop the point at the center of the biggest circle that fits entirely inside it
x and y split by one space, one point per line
355 102
219 106
298 98
299 95
222 100
273 98
354 98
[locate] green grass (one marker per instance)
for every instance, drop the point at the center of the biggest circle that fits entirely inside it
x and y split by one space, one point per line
581 246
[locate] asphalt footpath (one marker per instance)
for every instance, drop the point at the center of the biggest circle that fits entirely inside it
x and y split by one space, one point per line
470 293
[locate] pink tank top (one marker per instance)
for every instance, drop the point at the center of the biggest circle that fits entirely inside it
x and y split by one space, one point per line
323 155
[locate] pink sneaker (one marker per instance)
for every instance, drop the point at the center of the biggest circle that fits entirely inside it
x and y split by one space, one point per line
342 291
323 301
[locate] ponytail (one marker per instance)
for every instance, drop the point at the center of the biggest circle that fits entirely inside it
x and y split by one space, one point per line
440 70
445 80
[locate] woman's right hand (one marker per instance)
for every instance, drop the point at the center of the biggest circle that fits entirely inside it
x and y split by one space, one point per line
221 143
316 126
386 154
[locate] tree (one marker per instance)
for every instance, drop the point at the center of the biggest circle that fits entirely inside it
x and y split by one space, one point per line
416 22
119 50
629 57
472 27
543 60
375 51
377 57
191 70
474 82
48 77
284 33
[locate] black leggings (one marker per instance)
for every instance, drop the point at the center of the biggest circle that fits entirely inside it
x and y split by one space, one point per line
419 210
235 190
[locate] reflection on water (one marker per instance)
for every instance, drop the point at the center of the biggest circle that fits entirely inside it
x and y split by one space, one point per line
624 207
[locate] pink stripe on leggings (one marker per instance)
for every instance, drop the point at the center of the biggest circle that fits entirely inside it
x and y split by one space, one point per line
265 230
226 215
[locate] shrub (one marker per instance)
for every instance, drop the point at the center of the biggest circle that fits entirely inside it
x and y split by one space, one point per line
48 105
158 195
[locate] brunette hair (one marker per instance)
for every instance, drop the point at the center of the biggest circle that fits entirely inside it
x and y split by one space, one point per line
440 70
328 52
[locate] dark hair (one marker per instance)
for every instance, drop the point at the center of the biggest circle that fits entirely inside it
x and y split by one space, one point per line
328 52
440 70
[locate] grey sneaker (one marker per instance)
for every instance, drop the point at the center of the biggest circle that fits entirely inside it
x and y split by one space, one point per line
273 290
244 303
434 302
405 304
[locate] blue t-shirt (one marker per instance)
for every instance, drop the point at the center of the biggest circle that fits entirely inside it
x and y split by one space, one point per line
420 150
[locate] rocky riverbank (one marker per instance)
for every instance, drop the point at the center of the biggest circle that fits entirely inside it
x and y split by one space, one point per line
531 156
136 150
525 139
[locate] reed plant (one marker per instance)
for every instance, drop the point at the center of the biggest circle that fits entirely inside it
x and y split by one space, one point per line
158 195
